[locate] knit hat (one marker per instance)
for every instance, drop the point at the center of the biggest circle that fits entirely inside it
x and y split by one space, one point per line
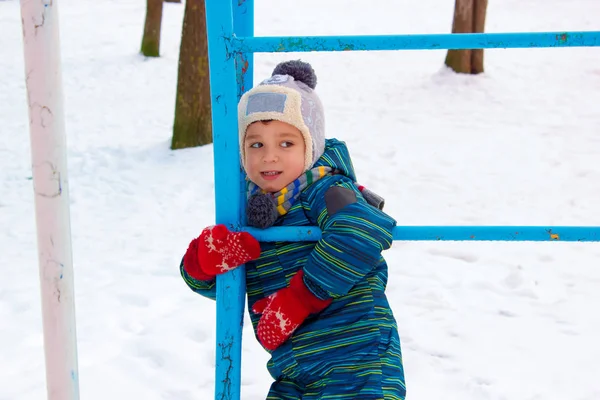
287 96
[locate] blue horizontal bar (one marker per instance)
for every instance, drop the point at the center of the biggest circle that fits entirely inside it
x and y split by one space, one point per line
416 42
448 233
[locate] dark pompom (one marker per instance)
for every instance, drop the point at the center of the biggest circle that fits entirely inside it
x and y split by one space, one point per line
261 211
300 70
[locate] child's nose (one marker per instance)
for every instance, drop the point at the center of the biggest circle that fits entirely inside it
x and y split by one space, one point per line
270 156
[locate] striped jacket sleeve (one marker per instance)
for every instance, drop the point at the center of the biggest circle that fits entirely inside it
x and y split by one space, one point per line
354 234
204 288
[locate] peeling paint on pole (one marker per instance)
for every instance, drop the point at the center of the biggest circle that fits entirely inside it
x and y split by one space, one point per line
447 233
515 40
50 190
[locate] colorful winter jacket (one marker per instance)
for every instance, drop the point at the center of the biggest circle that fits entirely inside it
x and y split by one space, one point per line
345 264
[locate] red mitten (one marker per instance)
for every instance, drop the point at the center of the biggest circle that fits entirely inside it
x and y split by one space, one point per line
191 263
284 311
218 250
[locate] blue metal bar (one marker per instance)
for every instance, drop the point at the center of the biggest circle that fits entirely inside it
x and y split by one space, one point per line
449 233
243 25
230 286
416 42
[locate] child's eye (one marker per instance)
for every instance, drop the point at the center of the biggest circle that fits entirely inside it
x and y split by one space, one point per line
256 145
287 144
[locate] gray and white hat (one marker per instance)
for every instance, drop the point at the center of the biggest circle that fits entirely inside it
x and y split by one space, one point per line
287 96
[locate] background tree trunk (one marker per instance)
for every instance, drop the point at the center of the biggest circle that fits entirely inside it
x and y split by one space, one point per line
192 126
151 38
479 12
460 60
469 17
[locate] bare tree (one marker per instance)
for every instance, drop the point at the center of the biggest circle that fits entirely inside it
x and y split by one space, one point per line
193 122
469 17
151 38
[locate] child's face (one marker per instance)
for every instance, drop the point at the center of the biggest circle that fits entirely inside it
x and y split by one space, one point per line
274 154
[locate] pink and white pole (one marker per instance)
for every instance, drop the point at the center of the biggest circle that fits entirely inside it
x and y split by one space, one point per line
50 184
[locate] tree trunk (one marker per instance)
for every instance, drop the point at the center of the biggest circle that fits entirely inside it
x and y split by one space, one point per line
193 122
469 17
151 38
480 7
460 60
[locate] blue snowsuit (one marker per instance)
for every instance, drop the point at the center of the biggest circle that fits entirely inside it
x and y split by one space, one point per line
351 350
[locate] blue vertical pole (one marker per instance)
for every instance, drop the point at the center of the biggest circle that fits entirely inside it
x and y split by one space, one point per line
230 286
243 25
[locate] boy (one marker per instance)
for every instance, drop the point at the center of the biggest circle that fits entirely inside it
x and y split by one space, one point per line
319 308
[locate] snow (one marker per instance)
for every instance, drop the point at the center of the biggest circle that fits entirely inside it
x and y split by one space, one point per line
478 320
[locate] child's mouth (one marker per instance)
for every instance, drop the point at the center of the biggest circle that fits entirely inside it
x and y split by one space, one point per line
270 175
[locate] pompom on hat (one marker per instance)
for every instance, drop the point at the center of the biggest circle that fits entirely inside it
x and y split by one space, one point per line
288 96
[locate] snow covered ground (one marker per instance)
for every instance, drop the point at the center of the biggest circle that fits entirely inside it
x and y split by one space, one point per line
518 145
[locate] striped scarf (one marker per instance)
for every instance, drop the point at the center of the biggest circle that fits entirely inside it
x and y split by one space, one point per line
286 197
